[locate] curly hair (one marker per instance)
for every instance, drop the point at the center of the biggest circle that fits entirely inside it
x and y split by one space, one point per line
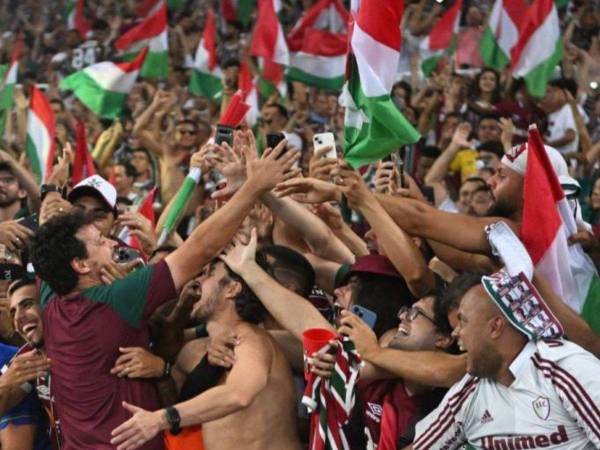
54 246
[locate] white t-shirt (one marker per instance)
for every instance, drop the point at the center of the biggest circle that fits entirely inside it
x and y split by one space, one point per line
558 123
554 402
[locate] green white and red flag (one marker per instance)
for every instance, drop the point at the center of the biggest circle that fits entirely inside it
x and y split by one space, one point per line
502 33
374 127
9 81
539 49
152 34
441 41
238 10
104 87
76 19
41 128
318 46
207 75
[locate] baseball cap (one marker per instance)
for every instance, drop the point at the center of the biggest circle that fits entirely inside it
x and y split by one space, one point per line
98 187
517 160
375 264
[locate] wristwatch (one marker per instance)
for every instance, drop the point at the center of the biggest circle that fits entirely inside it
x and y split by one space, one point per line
173 419
47 188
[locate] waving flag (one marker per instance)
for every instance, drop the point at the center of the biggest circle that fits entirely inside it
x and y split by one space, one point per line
269 45
539 49
238 10
40 134
151 34
374 127
441 40
502 32
10 78
83 164
247 85
547 224
76 18
103 87
207 75
318 45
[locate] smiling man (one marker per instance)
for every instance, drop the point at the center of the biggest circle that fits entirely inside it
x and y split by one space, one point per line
525 386
86 321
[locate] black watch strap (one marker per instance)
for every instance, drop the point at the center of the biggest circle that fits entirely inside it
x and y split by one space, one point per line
173 419
47 188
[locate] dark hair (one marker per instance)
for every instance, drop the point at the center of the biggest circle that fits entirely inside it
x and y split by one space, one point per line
294 264
188 122
475 180
566 84
6 167
18 284
404 85
282 109
431 151
247 304
457 289
382 295
494 147
54 246
143 150
230 62
495 93
440 316
130 171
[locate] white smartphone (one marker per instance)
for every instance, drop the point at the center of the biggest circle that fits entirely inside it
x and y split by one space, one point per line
321 140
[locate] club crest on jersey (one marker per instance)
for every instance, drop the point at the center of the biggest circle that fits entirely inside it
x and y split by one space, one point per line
541 406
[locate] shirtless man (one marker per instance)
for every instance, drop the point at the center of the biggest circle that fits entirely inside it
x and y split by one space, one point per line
253 407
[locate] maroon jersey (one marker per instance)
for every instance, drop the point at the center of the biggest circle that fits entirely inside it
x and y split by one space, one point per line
82 336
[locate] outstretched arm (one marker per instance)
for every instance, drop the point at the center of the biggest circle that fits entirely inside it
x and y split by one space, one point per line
216 232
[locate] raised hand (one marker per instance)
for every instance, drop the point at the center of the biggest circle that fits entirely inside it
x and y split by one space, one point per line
140 227
460 138
220 349
14 235
239 256
352 186
25 367
363 337
320 167
273 168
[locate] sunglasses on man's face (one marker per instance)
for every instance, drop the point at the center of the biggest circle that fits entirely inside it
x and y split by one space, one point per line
186 131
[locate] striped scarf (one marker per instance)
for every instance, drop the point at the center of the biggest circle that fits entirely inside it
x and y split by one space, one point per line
330 401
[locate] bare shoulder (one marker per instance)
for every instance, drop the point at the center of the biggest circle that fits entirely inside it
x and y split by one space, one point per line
255 339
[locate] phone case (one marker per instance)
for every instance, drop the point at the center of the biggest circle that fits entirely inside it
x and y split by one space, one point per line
321 140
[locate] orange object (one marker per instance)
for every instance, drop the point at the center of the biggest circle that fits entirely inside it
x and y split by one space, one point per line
190 438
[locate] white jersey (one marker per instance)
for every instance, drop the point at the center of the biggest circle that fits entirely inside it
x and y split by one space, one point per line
554 402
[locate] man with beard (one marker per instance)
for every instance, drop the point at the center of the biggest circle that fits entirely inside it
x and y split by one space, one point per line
525 386
69 253
254 406
17 188
27 367
422 327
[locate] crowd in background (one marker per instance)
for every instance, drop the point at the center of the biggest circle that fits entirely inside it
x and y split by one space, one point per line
329 237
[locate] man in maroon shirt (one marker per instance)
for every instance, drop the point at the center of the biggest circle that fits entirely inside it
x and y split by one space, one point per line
86 322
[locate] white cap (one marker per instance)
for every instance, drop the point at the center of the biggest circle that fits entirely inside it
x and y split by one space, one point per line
98 187
517 160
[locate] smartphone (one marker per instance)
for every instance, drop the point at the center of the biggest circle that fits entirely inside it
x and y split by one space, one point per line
273 139
30 222
321 140
224 134
126 255
368 316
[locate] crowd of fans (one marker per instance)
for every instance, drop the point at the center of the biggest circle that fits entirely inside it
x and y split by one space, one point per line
113 338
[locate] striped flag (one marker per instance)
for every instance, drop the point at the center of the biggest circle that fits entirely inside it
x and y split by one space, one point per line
238 10
374 127
151 34
247 85
318 46
76 18
330 401
40 134
269 45
547 224
441 40
146 209
10 78
83 164
207 75
103 87
502 32
540 48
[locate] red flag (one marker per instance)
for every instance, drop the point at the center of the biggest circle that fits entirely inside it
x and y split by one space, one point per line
146 209
78 21
111 176
83 166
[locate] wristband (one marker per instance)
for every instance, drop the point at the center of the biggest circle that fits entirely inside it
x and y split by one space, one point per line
45 189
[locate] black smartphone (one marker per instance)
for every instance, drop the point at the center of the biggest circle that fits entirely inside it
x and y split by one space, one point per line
30 222
273 139
224 134
127 254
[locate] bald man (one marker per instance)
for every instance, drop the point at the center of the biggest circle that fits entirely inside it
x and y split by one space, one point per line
522 390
